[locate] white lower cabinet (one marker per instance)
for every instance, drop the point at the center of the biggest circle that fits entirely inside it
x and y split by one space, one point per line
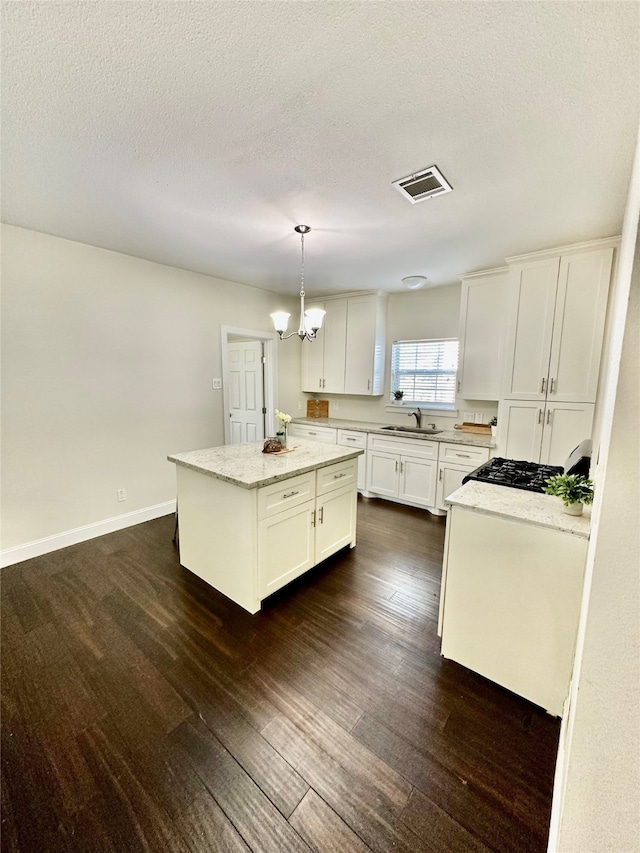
402 469
335 522
455 461
327 435
353 438
286 547
296 533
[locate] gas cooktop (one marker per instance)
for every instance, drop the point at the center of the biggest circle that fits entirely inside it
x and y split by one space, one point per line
514 473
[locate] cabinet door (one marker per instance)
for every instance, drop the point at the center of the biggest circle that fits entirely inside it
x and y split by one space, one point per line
565 426
335 522
578 329
449 479
521 430
417 481
483 321
285 547
382 473
350 438
533 297
361 340
334 346
313 358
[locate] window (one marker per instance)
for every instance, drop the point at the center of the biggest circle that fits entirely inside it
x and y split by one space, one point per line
425 371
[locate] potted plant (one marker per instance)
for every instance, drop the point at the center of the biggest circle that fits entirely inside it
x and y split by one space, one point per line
398 395
494 426
283 419
574 490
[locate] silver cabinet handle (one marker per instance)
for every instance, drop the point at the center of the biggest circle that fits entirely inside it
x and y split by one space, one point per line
396 465
290 494
539 416
319 383
553 382
349 439
338 476
544 383
401 467
324 382
440 476
368 385
313 518
458 383
311 433
465 455
548 416
321 515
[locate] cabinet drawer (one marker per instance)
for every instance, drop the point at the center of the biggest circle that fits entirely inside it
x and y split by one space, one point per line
417 447
326 435
336 476
285 494
351 438
464 454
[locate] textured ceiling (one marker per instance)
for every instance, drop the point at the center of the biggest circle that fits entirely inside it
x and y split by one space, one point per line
197 134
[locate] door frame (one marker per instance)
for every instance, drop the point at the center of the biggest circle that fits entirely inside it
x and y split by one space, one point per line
269 340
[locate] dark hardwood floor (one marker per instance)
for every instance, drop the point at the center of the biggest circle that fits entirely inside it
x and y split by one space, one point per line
142 711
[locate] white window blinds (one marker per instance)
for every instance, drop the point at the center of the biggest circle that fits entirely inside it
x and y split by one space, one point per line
425 371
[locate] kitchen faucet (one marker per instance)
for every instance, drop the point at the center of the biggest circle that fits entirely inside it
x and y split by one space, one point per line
417 415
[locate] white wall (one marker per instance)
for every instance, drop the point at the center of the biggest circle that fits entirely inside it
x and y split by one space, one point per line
431 313
107 362
596 807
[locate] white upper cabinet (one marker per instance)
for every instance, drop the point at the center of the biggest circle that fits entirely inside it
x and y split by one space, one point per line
334 352
532 304
578 328
323 359
313 356
351 357
483 318
543 433
557 316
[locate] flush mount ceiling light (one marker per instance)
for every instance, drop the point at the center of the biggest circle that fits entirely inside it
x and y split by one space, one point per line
310 320
414 282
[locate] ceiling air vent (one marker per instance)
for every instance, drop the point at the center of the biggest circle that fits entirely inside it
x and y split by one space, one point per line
423 185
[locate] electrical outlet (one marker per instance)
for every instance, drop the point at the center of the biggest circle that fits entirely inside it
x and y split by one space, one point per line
122 495
468 417
301 407
335 407
479 418
216 384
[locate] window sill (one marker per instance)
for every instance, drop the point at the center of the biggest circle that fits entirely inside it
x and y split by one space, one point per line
409 407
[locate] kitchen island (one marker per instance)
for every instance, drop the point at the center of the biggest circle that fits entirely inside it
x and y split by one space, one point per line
511 590
251 522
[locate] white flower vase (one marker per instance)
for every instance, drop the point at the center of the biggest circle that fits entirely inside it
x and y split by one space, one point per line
573 509
494 431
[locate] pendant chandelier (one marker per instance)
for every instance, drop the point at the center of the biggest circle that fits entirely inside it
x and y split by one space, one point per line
311 319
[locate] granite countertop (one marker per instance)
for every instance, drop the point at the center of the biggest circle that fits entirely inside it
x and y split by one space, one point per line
247 466
518 505
451 436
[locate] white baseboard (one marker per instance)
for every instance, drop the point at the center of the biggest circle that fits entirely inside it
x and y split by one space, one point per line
38 547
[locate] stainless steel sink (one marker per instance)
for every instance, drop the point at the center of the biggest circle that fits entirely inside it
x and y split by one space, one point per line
417 430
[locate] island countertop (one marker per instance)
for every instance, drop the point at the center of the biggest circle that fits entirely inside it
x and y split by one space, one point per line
245 465
533 508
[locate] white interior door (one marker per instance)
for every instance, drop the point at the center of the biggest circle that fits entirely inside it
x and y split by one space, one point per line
246 391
